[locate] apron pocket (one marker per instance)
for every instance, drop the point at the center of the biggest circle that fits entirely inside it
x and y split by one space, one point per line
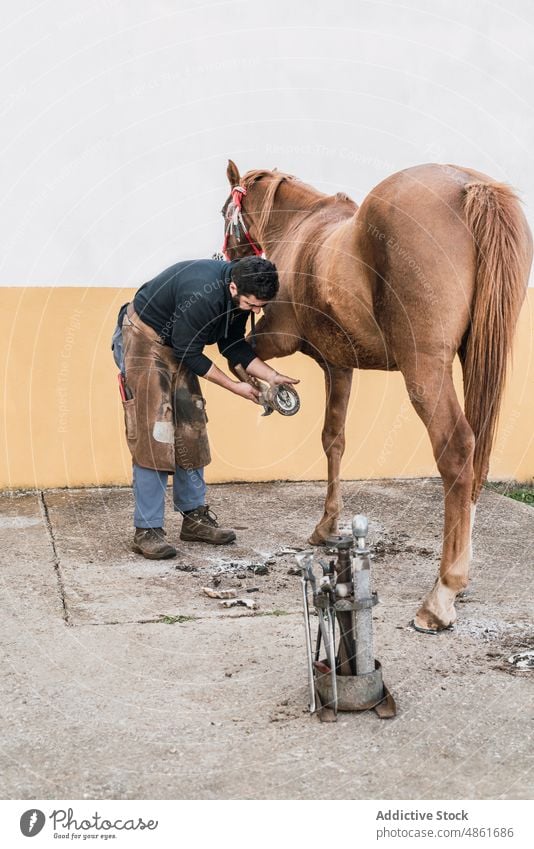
130 418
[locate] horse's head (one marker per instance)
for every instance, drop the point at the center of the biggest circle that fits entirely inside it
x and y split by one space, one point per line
247 209
238 240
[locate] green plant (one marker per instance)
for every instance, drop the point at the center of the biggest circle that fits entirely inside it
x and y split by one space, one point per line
519 492
275 613
172 620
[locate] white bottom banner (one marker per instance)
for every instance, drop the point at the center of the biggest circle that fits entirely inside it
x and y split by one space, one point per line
273 824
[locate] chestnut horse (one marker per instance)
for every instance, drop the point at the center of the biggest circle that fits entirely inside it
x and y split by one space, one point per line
434 263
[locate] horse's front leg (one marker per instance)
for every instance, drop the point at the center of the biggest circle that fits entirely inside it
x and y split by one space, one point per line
338 383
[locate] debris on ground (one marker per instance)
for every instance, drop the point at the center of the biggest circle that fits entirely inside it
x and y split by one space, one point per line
259 568
294 570
285 551
240 602
523 659
238 568
285 710
229 593
391 545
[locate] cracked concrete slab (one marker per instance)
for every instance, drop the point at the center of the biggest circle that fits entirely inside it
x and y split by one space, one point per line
209 704
30 589
93 534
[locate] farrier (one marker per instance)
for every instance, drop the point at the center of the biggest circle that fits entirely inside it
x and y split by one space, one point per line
159 346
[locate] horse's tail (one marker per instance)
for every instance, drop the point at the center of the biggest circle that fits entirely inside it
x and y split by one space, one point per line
494 216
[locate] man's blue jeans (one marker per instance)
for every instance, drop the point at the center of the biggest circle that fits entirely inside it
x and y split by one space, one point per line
150 486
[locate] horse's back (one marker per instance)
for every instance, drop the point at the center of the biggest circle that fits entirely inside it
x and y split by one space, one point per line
397 276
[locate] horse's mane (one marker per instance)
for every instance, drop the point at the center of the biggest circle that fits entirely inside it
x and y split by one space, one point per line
278 177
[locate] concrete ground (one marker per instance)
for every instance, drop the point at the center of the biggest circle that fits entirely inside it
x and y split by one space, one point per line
122 680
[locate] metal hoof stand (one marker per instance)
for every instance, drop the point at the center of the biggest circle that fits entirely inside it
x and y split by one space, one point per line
348 678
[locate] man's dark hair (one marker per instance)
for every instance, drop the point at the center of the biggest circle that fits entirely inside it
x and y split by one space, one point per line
256 276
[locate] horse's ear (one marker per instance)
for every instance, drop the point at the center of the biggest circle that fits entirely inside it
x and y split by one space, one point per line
232 172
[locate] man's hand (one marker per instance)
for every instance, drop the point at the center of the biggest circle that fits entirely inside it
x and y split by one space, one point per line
282 378
242 388
246 391
257 368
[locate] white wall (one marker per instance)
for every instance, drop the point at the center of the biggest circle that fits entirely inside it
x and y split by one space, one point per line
118 116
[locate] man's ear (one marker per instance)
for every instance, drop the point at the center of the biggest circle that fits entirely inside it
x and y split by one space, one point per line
233 289
232 172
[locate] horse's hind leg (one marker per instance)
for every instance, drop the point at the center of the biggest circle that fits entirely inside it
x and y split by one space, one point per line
338 382
431 390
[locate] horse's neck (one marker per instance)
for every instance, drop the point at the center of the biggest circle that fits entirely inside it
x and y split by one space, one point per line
292 204
293 229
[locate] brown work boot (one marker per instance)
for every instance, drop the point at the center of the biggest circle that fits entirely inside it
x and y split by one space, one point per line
200 525
150 542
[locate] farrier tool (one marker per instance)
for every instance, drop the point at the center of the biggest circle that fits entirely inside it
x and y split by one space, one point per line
349 679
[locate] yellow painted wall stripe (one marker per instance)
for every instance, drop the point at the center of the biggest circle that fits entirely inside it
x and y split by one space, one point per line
62 419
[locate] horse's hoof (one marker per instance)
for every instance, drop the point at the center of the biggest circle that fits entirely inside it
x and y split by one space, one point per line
431 630
427 622
316 539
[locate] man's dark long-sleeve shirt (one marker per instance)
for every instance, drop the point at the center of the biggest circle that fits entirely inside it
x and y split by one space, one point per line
190 306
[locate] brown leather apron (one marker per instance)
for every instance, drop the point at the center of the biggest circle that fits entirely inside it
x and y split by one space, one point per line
165 418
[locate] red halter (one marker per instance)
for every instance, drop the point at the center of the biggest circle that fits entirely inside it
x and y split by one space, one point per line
235 222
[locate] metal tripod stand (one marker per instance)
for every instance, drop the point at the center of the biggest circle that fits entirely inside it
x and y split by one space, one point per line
348 678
